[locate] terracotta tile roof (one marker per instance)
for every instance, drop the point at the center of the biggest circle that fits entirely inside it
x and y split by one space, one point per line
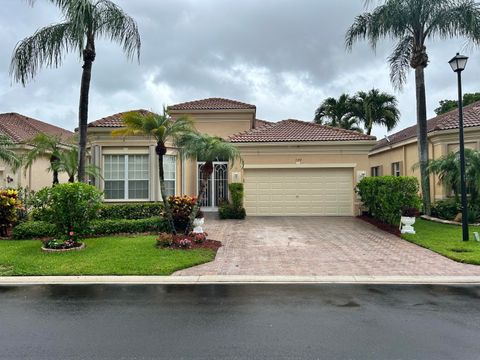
115 121
21 128
296 130
212 104
445 121
260 123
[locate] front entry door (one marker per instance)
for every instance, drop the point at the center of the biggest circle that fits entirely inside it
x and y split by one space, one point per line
217 187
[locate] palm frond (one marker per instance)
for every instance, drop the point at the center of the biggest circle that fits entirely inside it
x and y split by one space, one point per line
6 152
47 47
113 23
399 61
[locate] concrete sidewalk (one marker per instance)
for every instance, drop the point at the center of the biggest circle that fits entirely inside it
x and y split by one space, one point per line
237 279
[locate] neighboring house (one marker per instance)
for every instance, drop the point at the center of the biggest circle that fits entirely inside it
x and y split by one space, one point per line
398 153
290 167
20 129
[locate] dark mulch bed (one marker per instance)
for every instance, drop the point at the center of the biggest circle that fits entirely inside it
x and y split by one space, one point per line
392 229
207 244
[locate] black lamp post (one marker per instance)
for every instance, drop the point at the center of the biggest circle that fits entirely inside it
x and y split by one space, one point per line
458 64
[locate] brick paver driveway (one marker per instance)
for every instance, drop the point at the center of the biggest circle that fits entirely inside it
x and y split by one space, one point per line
318 246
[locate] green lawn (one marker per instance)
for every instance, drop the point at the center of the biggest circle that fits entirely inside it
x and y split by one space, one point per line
446 240
113 255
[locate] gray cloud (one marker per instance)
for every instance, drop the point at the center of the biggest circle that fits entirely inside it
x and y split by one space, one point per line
284 56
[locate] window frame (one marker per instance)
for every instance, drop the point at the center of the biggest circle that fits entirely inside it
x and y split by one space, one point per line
175 173
126 178
375 171
396 169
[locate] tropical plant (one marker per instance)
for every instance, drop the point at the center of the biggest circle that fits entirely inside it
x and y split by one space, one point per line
447 168
161 128
449 105
375 108
84 21
334 111
71 208
44 145
9 205
6 152
68 163
207 148
411 23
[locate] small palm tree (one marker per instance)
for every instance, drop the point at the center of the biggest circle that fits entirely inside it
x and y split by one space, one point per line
335 111
6 152
44 145
411 23
375 108
84 21
68 163
350 124
161 128
447 168
206 148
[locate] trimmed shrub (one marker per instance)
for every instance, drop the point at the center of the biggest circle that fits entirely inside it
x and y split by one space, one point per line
446 209
70 207
107 227
33 230
130 211
41 229
449 208
386 197
235 209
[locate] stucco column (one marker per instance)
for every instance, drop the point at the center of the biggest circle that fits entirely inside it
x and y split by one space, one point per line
153 174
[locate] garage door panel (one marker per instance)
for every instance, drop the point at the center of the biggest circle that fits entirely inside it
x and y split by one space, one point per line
278 192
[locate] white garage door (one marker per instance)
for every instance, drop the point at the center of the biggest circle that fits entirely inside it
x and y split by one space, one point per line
326 192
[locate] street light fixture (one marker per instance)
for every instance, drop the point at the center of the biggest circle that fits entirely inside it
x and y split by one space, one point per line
458 64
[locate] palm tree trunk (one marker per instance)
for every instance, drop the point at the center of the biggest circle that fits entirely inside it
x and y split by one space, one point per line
422 131
88 59
161 150
207 171
54 165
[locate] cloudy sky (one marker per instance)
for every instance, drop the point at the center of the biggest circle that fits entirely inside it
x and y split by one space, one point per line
284 56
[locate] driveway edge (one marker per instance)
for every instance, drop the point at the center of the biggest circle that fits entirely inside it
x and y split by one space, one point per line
235 279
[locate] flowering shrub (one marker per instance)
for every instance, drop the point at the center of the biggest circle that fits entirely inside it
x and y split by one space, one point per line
70 207
10 204
164 239
181 207
185 243
198 237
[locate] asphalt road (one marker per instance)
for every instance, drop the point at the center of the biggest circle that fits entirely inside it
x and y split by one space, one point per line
240 322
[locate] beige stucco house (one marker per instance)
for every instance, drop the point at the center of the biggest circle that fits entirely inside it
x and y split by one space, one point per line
20 129
290 167
398 153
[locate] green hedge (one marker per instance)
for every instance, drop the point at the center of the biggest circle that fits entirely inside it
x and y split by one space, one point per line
386 196
235 209
41 229
113 211
130 211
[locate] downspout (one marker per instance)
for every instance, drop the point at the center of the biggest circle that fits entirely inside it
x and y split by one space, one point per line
430 176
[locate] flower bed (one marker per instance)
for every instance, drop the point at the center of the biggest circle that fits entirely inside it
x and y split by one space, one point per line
187 242
392 229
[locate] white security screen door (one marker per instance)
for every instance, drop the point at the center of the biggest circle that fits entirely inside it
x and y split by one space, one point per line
217 187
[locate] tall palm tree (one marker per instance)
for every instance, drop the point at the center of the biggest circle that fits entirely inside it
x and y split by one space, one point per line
84 21
44 145
206 148
6 152
375 108
333 110
161 128
68 163
411 23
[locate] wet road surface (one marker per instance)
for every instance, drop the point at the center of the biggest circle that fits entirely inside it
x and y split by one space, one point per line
240 322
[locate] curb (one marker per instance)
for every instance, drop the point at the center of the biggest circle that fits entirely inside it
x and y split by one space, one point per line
234 279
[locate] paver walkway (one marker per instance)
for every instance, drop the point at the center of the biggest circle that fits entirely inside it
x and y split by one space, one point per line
318 246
